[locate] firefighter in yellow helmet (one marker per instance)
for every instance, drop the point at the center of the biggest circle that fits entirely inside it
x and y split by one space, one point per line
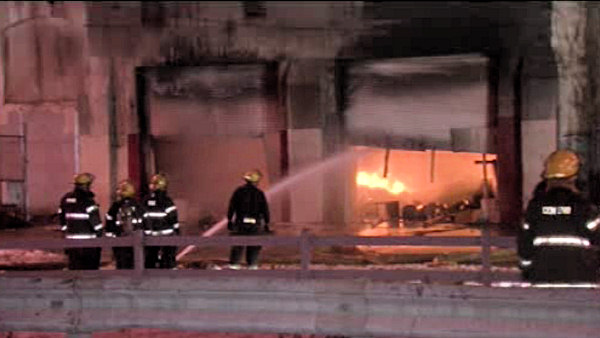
124 217
248 214
557 241
559 163
158 182
160 219
84 180
79 216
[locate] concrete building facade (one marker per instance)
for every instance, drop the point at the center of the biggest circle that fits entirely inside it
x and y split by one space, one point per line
206 90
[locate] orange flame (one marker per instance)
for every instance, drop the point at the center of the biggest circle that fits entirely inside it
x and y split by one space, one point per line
373 181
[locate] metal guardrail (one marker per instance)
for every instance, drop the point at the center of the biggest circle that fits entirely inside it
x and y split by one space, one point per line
301 300
306 242
354 307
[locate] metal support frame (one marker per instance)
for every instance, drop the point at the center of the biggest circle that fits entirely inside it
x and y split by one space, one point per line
23 180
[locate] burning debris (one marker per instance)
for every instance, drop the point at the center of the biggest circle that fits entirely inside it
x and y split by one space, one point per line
435 212
451 191
422 215
373 181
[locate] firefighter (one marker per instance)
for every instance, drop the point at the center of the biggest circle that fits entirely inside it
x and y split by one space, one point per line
160 219
248 214
124 217
558 239
80 219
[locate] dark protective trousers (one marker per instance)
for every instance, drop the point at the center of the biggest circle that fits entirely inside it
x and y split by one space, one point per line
564 265
252 252
160 257
84 258
123 257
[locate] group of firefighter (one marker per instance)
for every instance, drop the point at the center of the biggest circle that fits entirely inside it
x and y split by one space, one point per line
557 242
155 215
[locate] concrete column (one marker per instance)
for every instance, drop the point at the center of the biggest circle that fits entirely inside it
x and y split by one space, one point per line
305 140
93 129
594 64
3 23
112 41
538 128
113 133
574 29
315 134
124 120
339 182
504 92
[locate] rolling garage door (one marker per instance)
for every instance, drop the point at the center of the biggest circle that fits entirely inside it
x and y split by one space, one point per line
419 103
209 125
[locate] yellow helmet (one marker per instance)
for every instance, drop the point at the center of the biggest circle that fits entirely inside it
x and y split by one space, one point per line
561 164
83 179
158 182
253 176
125 189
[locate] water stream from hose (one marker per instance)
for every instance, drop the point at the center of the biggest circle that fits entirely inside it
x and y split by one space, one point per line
300 176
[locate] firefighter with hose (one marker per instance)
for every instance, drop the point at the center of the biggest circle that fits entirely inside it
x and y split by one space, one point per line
248 214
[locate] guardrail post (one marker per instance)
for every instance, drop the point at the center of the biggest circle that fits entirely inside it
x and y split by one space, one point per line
305 251
138 252
486 268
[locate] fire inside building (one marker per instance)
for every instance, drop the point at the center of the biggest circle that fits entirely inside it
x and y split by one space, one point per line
198 114
364 118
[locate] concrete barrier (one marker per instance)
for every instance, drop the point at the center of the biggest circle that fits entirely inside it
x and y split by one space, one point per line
358 307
